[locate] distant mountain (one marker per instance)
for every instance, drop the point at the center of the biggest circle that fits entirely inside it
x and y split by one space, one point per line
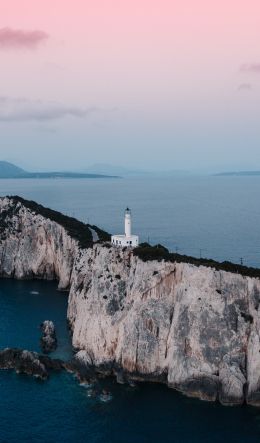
104 168
98 170
8 170
238 173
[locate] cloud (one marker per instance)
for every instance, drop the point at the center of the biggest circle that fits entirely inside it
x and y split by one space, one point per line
22 110
20 39
251 67
245 87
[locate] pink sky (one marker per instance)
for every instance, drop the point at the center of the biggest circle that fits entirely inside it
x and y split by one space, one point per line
187 58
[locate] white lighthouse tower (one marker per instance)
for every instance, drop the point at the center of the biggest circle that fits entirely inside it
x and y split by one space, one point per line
128 223
128 240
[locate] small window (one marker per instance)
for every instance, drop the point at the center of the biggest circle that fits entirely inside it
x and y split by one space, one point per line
130 242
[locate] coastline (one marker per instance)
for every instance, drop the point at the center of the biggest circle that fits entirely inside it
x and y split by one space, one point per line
194 327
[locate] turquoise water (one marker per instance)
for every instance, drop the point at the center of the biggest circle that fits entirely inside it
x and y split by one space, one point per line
221 216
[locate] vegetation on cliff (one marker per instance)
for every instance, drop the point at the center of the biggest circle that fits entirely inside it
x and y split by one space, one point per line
75 228
81 232
147 252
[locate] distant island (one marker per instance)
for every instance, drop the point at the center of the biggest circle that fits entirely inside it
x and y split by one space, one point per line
110 169
238 173
9 170
98 170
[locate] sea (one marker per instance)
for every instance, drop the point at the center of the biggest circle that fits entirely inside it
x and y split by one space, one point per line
208 216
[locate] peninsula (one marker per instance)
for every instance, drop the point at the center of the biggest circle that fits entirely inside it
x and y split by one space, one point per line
238 174
142 314
8 170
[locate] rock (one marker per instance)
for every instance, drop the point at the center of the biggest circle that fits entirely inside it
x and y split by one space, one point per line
48 339
54 364
83 359
196 329
81 365
233 383
34 245
32 363
120 377
24 362
204 388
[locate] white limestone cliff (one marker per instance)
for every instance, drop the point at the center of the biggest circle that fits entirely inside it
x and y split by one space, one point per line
194 328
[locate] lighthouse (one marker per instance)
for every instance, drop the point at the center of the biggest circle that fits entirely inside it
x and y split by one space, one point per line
128 240
128 223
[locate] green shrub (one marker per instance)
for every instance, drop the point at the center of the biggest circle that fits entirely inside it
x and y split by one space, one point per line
147 252
75 228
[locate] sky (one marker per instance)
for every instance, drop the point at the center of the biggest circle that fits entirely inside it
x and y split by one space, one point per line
154 84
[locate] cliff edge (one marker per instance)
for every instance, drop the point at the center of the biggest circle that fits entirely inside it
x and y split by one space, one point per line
194 327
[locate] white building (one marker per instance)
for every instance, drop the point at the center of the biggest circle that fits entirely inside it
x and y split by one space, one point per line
128 240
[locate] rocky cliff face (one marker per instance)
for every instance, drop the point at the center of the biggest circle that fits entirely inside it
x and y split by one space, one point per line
33 246
194 328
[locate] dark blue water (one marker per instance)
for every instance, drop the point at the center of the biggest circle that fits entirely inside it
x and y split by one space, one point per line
59 409
221 216
24 306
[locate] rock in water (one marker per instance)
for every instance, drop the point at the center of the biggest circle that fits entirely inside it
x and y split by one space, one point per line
31 363
25 362
48 339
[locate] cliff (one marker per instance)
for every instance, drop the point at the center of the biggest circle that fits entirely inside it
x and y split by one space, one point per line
195 328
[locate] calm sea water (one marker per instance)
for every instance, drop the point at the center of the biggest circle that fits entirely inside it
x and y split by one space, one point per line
219 216
59 409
